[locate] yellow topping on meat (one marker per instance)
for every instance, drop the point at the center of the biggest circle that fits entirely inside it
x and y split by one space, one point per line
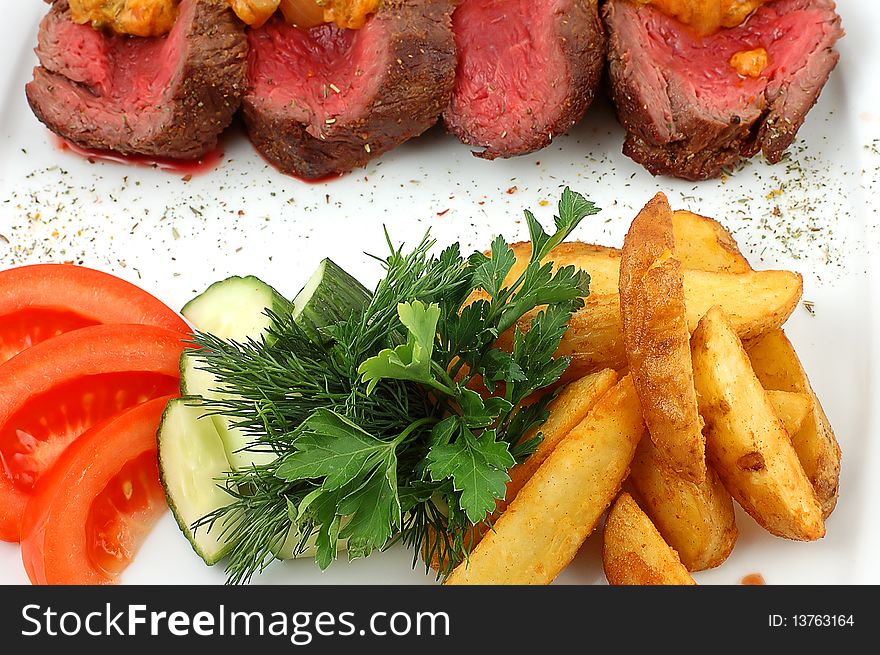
707 16
750 63
302 13
254 12
349 14
135 17
156 17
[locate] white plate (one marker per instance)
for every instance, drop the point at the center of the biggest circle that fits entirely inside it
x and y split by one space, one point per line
174 238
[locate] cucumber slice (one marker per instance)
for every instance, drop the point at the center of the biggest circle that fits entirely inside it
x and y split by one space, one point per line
330 294
191 461
235 308
196 382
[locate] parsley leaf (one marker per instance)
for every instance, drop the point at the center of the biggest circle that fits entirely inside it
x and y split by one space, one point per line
573 208
411 361
374 513
359 482
332 447
492 272
478 467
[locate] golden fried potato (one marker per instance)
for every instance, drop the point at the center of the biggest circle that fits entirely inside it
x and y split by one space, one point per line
568 409
774 360
696 520
756 302
777 366
703 244
745 441
559 507
634 553
657 342
593 341
791 408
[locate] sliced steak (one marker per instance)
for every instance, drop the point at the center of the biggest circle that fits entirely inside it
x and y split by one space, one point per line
527 71
326 100
166 96
687 112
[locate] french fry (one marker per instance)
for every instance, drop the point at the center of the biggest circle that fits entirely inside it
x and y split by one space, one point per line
768 298
745 440
696 520
701 244
559 507
778 367
773 358
567 410
601 262
792 409
657 342
633 551
704 244
756 303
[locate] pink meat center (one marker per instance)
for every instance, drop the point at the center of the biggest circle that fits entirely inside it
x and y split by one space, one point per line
788 35
323 76
132 72
512 74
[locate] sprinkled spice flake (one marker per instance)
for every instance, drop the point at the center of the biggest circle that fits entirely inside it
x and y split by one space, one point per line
791 213
794 215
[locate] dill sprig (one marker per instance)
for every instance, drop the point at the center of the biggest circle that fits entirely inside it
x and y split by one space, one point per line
380 432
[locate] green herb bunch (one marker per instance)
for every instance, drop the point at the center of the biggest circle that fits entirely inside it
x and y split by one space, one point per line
381 431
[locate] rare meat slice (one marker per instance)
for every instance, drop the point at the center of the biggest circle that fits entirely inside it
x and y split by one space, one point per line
686 109
167 96
324 101
527 71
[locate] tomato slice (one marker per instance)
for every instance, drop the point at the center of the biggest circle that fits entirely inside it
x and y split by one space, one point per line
90 514
57 389
42 301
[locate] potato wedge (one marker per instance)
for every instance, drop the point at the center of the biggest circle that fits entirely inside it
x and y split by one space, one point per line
701 243
601 262
568 409
704 244
745 440
633 551
559 507
756 303
696 520
657 341
791 408
777 366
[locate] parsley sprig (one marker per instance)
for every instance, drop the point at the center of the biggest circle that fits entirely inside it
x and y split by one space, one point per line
405 426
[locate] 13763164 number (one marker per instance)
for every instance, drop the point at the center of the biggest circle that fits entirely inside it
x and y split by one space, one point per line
812 621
